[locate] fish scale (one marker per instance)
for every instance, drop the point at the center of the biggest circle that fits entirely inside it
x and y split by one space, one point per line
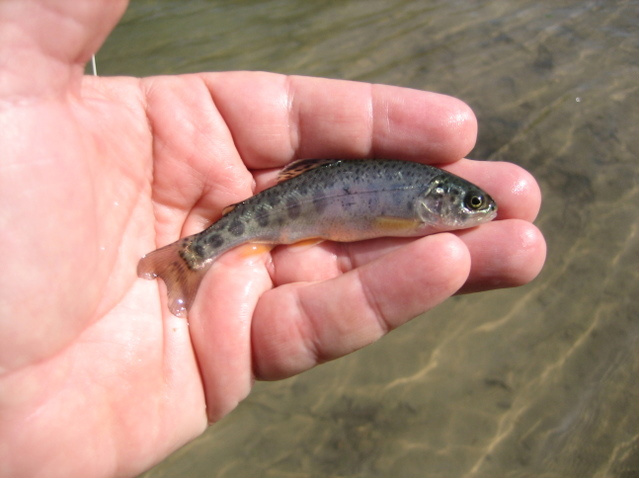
338 200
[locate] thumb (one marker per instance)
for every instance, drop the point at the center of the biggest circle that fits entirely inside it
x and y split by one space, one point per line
44 44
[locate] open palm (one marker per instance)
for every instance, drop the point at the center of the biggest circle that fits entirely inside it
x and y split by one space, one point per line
96 377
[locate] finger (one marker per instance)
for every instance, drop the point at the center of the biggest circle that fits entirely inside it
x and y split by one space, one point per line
505 253
300 117
196 168
299 325
220 328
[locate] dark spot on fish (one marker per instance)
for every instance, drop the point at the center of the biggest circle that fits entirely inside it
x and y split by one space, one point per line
262 217
293 208
348 202
410 206
272 200
215 241
280 221
236 228
198 249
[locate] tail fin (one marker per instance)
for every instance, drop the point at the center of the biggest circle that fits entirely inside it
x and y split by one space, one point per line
181 281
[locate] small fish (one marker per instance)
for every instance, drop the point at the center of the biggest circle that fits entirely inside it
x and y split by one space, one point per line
334 200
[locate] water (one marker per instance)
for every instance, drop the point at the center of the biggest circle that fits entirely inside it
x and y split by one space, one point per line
536 381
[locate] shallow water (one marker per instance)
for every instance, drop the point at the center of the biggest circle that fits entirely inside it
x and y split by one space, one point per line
535 381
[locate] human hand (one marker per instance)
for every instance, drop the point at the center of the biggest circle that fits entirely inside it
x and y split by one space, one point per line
96 377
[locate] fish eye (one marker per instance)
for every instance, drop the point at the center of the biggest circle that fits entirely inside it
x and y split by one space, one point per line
474 201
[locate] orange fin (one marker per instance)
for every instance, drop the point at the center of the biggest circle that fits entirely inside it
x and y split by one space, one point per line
301 166
181 281
395 224
254 249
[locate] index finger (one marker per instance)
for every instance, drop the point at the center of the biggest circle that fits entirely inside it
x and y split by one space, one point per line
275 119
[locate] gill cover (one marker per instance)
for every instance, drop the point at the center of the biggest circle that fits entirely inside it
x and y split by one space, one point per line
453 202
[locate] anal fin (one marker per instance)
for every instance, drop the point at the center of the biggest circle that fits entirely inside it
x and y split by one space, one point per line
254 249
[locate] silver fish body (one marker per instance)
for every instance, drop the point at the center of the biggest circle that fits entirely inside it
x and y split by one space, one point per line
325 200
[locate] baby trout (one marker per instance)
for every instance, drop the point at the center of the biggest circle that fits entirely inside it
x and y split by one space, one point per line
334 200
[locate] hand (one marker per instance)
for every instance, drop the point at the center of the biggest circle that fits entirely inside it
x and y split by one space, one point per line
96 377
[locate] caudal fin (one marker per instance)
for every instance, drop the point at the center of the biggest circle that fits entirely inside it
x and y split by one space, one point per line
181 281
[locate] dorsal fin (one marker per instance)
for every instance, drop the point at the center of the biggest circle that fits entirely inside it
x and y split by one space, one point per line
301 166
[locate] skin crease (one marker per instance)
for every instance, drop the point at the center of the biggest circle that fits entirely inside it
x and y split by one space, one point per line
96 378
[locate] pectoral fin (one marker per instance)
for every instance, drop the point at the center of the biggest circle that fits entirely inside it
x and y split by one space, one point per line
395 224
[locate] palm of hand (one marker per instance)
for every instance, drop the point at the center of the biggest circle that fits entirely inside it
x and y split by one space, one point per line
101 177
